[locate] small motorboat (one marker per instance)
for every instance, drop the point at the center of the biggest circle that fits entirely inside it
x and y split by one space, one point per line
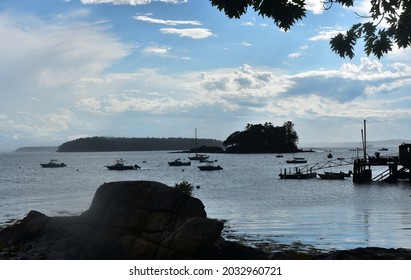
121 165
296 160
209 166
332 176
199 157
335 175
53 164
297 174
179 162
346 174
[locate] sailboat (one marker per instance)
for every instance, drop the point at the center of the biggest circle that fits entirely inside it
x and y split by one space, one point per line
200 157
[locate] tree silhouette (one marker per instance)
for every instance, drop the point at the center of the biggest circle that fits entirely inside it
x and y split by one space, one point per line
378 40
259 138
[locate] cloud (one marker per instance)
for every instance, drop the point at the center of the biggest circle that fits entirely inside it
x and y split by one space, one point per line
158 51
352 83
194 33
315 6
42 64
146 18
53 54
295 55
326 34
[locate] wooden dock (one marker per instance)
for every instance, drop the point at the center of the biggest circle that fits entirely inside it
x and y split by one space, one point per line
398 167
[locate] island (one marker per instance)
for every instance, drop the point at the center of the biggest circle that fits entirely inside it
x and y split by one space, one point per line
116 144
263 138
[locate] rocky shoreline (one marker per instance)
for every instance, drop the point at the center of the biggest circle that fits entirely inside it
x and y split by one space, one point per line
148 220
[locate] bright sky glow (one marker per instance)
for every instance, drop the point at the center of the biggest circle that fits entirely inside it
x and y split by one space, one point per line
147 68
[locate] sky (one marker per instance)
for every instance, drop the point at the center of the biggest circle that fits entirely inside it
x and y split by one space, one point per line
161 68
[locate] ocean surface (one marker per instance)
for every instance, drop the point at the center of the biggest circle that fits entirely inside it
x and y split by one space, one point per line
257 205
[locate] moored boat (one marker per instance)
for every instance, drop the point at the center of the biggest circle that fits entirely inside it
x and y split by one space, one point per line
179 162
296 160
298 174
332 176
209 166
346 174
199 157
120 165
53 164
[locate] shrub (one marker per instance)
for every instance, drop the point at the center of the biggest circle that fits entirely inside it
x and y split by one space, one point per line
185 187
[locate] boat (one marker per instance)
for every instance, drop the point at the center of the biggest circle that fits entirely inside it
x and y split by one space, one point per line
383 149
209 166
297 175
200 157
296 160
346 174
332 176
197 156
53 164
279 156
329 155
179 162
120 165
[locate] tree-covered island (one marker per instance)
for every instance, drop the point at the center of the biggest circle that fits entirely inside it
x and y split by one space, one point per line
256 138
116 144
263 138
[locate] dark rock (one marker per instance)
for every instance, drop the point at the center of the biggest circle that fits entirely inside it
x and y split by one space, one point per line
147 220
370 253
126 220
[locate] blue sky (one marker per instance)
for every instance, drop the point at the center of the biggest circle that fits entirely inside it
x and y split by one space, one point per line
141 68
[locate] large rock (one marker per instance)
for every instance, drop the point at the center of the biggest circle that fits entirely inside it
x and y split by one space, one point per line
126 220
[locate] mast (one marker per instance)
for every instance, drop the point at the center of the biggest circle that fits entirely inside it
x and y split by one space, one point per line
365 140
195 139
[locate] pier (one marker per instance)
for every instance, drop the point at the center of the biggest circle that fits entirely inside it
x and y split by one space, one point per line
398 167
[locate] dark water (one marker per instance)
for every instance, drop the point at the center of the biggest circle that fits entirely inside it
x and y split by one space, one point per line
248 193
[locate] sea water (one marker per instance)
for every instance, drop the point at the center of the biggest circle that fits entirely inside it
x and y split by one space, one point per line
248 194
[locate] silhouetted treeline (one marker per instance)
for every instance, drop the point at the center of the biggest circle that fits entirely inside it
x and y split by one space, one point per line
108 144
262 138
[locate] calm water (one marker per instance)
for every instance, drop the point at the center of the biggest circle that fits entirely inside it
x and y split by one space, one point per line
248 193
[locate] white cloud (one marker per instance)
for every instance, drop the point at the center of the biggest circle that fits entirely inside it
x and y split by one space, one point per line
194 33
146 18
315 6
53 55
295 55
158 51
326 34
42 62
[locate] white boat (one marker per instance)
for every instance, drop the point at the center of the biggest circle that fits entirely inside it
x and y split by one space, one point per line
179 162
200 157
197 156
209 166
120 165
53 164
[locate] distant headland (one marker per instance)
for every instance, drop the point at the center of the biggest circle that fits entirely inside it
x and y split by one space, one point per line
255 138
36 149
116 144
